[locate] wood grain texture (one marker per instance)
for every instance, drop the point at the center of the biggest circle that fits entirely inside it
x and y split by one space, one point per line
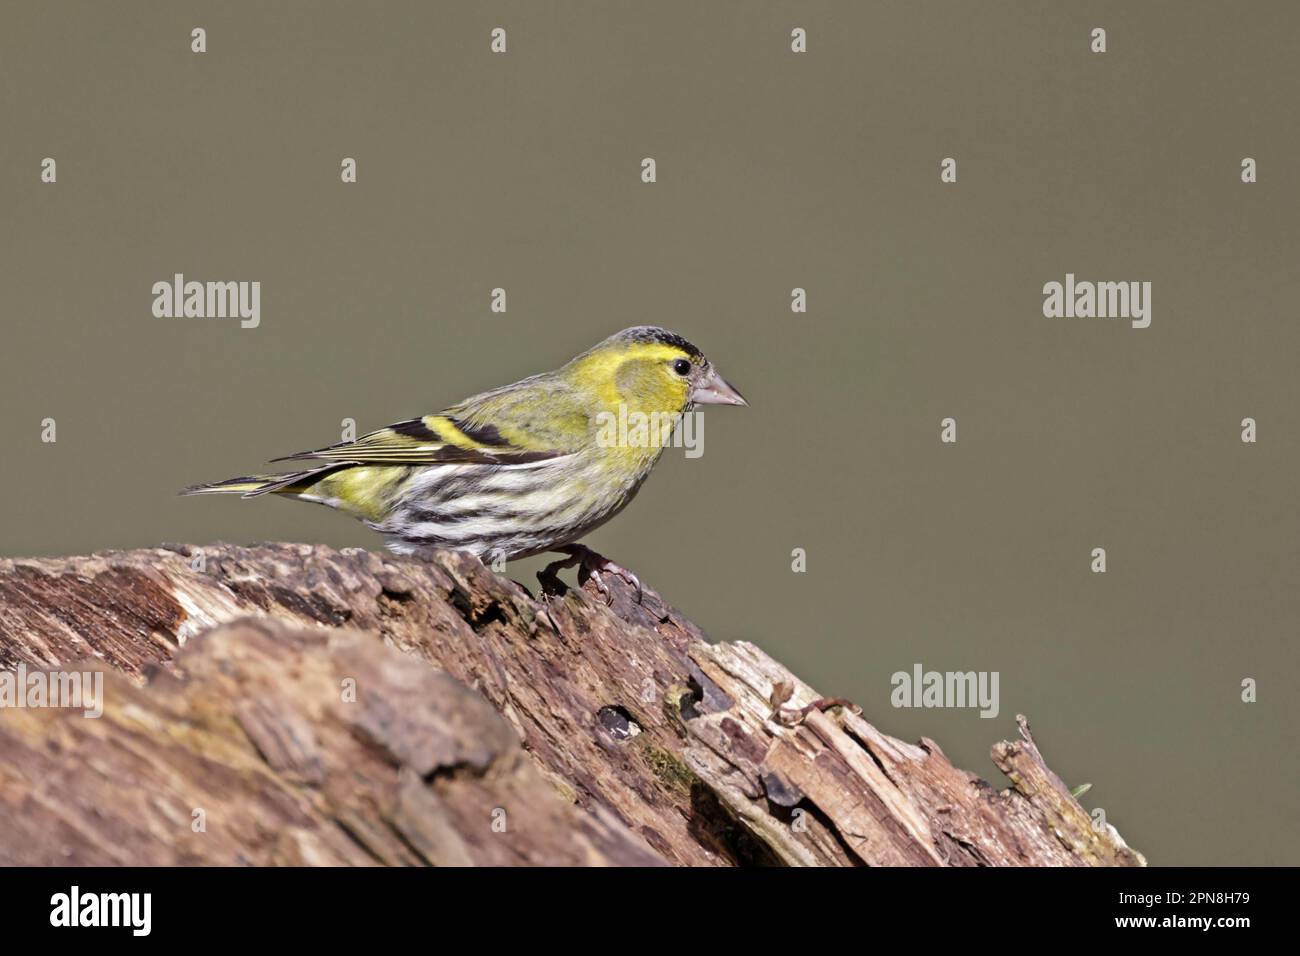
599 735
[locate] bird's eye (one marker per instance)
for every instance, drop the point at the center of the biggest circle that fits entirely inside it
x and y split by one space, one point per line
682 367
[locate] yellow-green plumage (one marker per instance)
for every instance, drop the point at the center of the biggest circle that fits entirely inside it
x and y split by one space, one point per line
515 471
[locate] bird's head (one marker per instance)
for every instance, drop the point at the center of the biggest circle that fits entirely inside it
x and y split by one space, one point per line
649 369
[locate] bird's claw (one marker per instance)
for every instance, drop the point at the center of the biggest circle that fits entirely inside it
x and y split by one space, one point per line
612 568
601 587
593 566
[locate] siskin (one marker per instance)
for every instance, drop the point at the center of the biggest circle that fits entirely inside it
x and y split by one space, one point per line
521 469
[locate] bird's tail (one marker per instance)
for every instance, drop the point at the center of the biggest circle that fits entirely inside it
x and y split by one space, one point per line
250 486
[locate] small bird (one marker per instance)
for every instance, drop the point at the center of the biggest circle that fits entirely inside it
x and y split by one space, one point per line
519 470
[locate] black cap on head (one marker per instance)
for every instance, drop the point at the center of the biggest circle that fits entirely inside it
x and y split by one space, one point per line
652 333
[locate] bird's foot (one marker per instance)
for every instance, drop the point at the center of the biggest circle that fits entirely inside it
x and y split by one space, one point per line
549 576
594 565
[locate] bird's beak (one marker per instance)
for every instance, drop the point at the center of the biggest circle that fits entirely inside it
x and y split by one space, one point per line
714 390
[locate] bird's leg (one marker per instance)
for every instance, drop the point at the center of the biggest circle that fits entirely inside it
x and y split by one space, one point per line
594 564
549 576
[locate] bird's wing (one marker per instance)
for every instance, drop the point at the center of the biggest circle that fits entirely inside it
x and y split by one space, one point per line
511 426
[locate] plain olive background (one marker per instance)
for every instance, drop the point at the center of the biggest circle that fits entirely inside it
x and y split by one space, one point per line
775 170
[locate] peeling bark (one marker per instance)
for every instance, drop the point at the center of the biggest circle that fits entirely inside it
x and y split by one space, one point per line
488 727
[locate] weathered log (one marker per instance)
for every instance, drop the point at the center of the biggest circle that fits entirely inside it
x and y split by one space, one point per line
249 690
